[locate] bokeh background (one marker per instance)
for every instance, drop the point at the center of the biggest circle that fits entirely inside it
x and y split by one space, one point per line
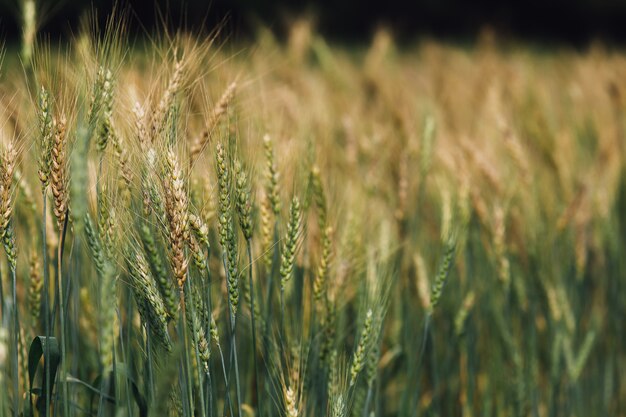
571 22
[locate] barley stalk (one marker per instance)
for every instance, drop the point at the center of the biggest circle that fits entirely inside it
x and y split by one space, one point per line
58 172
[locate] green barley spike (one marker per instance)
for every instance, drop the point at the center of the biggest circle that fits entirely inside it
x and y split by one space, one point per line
291 242
444 269
358 361
164 283
149 301
46 131
242 201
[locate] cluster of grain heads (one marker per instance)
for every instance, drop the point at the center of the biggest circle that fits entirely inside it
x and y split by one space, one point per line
106 120
46 133
291 381
373 359
445 266
463 313
159 271
199 241
292 237
324 303
196 319
226 227
339 399
228 242
142 304
291 402
107 290
360 354
242 201
141 132
177 217
47 128
95 246
148 299
267 231
197 252
319 196
8 159
158 119
339 408
321 277
59 171
328 324
271 176
123 156
200 229
96 98
34 290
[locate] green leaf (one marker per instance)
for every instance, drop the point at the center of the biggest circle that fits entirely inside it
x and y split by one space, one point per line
36 351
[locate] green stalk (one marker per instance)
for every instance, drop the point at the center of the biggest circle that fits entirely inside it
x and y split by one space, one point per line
268 295
208 330
16 400
283 328
149 371
228 400
219 347
268 298
46 302
1 295
367 400
125 356
233 349
62 315
252 314
186 365
197 352
209 393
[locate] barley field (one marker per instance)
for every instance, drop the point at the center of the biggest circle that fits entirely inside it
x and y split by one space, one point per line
288 227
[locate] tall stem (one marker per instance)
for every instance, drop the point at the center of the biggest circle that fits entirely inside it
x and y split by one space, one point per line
233 349
208 333
270 284
228 400
252 314
186 370
367 400
268 300
46 306
16 399
62 314
219 347
1 294
149 371
196 351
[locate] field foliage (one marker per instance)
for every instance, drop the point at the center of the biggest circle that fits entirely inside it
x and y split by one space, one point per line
292 228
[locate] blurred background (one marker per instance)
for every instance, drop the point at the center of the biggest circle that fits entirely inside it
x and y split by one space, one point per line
570 22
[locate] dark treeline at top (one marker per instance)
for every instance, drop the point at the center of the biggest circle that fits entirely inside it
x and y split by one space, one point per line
573 22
